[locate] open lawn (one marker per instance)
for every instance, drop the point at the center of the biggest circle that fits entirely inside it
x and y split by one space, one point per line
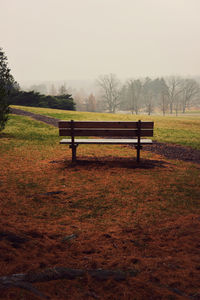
105 212
183 130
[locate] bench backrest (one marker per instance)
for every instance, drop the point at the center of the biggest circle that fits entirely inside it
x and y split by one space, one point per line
106 128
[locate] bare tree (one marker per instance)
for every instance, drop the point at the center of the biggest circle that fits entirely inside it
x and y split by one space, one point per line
163 91
91 103
110 88
79 100
53 91
177 105
148 96
174 89
62 89
134 91
190 92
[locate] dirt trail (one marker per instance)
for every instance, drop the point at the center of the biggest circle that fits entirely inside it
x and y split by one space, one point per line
45 119
173 151
170 151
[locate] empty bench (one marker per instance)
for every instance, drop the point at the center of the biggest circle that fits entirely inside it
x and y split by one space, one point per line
110 133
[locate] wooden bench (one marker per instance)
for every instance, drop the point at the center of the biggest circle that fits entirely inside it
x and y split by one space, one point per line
118 132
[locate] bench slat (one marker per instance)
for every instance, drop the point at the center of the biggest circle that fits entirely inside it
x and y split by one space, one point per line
107 141
107 124
106 132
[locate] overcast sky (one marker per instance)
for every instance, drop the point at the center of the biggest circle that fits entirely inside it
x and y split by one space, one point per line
82 39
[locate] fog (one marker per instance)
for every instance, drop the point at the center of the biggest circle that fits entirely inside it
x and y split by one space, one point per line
53 40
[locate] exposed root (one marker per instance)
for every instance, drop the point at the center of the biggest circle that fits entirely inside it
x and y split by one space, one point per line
25 281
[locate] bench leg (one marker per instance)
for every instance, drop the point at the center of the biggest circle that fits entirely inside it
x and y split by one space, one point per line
73 147
138 148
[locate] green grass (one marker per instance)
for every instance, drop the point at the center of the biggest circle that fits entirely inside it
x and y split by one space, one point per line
21 131
183 130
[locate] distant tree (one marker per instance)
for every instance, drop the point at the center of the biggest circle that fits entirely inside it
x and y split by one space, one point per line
62 90
134 92
7 86
177 104
189 93
37 100
163 96
173 93
148 95
79 102
124 105
91 103
65 102
53 91
155 95
110 88
174 90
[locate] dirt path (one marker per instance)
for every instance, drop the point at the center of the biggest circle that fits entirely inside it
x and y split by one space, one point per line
173 151
45 119
170 151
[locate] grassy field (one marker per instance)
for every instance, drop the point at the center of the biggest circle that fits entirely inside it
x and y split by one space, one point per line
180 130
144 219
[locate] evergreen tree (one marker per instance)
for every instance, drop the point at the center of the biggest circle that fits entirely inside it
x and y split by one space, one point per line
7 84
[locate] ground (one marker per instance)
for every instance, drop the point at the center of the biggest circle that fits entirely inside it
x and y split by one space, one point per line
106 212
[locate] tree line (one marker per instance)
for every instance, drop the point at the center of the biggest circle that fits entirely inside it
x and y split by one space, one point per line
170 94
36 99
146 95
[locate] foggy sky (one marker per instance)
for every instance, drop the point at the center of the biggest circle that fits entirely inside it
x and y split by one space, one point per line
82 39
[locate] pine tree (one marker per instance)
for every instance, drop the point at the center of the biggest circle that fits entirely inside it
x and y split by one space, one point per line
6 86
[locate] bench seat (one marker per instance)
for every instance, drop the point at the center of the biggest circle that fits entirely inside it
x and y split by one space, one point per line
107 141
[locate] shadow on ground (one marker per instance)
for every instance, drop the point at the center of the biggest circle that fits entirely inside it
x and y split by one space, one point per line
127 163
